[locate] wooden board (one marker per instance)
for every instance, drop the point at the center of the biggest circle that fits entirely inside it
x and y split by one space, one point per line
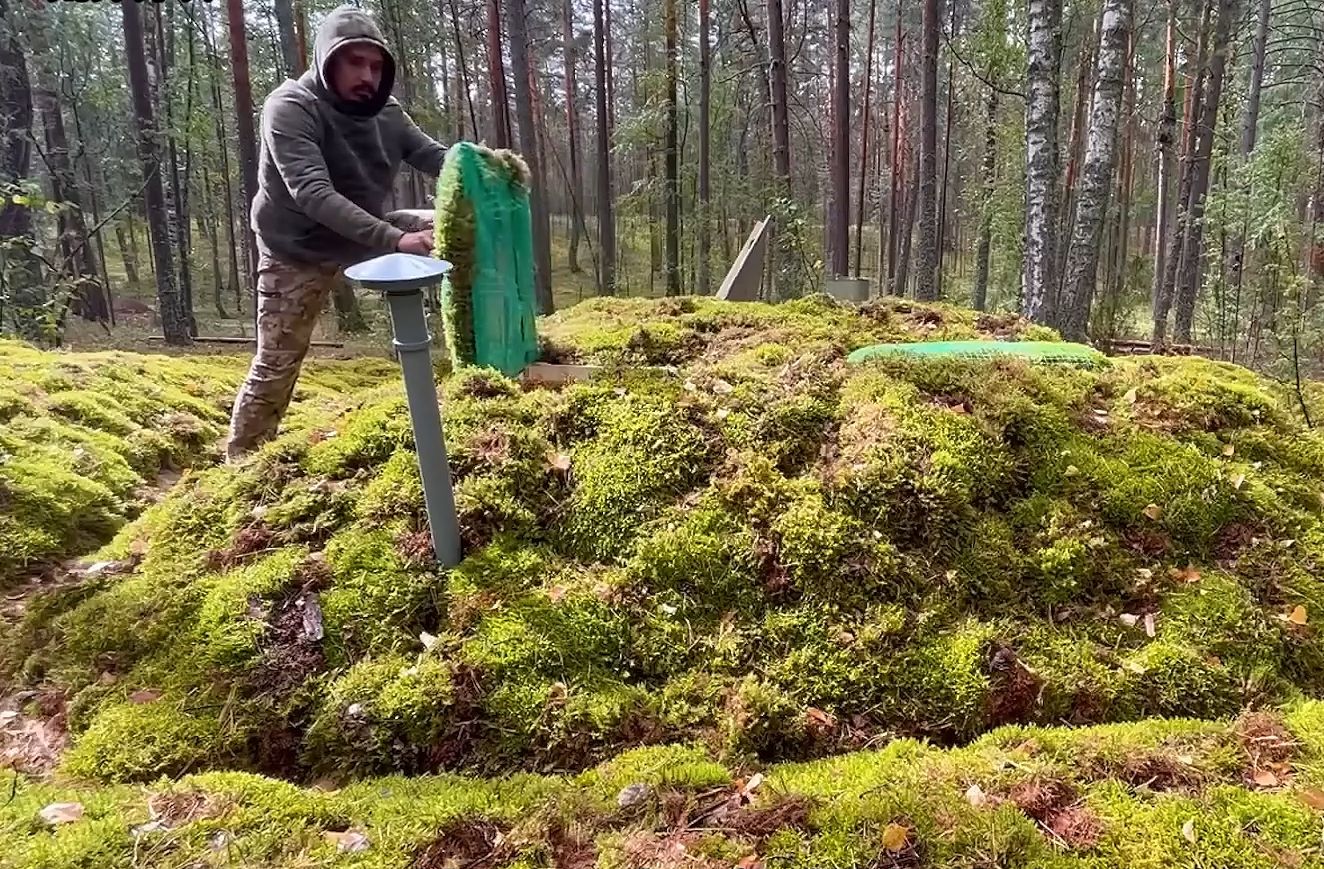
743 281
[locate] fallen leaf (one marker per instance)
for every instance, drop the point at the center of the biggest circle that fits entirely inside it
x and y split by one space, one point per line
975 796
558 461
690 386
62 813
1131 395
1229 451
349 842
147 695
149 827
1144 573
632 795
1070 471
1133 667
894 837
752 785
1153 511
1238 481
556 593
1129 619
1149 625
1313 798
1265 779
721 387
750 862
1186 759
428 640
1296 616
723 412
819 716
1188 830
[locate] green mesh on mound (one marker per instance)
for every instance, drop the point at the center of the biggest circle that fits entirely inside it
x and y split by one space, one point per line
1062 352
483 228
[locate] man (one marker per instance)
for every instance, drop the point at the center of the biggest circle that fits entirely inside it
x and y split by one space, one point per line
332 143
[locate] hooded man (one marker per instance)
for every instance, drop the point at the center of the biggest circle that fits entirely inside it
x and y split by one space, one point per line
332 143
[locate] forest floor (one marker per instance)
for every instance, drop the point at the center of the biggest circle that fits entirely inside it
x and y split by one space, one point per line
732 603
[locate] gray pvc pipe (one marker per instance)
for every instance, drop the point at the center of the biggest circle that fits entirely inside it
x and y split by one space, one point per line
412 344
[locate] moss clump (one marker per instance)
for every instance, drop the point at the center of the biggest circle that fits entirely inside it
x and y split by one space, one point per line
132 742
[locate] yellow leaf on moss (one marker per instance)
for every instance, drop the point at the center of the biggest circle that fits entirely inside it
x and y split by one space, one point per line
894 837
1188 831
1131 396
1295 617
1153 511
1313 798
1265 779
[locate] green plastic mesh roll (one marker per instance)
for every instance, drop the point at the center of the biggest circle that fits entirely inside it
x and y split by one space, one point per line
483 228
1063 352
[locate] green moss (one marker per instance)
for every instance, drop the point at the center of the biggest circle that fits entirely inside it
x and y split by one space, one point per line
130 742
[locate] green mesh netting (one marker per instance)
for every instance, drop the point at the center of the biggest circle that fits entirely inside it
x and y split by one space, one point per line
484 230
1037 351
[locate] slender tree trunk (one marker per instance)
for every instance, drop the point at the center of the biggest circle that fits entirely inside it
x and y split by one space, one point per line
243 110
1041 159
1193 258
1096 179
1074 155
463 65
572 126
528 134
289 40
672 180
839 248
907 233
864 140
76 265
705 168
898 163
784 280
1127 172
946 160
207 220
926 285
1176 243
496 77
1249 126
174 320
98 242
1165 142
176 190
606 220
979 297
129 255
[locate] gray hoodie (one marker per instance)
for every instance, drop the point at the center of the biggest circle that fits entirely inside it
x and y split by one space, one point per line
326 166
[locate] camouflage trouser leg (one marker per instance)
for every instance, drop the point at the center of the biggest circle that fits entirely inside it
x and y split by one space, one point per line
289 299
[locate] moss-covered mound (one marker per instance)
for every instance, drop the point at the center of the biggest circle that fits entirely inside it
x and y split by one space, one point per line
759 548
82 433
1232 795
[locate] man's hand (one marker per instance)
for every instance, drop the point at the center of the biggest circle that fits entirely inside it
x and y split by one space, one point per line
416 242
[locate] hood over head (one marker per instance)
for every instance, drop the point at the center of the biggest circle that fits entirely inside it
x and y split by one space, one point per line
341 27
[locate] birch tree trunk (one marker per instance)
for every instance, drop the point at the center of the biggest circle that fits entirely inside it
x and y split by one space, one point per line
1193 258
1041 158
1096 179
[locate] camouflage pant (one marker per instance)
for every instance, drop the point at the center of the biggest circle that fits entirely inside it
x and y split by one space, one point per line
289 299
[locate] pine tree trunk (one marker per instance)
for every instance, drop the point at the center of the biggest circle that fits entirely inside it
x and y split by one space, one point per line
289 40
1165 142
979 296
222 140
213 239
1126 181
572 126
129 256
1193 257
606 219
906 234
1041 159
671 182
941 246
174 320
1096 180
839 247
1249 126
243 110
864 141
926 277
783 280
528 135
496 79
893 210
703 287
1176 242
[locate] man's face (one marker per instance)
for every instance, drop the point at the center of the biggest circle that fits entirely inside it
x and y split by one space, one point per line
356 72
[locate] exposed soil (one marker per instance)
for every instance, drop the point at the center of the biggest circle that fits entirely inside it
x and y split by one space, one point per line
1269 747
472 843
33 731
1014 689
247 541
1053 805
184 807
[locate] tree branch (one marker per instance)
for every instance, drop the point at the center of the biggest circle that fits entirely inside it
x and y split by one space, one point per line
951 46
